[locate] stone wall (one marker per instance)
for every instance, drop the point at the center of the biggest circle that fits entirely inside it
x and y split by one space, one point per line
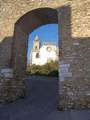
74 33
11 11
74 76
75 64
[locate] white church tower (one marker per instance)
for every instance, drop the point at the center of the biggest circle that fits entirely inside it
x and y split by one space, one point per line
34 57
41 55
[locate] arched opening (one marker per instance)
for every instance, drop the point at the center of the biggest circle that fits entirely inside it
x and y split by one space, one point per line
25 25
43 51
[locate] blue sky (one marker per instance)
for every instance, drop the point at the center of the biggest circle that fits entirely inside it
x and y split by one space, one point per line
46 33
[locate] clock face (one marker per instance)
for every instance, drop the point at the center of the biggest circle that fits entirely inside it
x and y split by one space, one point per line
48 49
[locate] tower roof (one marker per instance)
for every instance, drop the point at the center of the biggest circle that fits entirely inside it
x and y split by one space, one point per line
36 38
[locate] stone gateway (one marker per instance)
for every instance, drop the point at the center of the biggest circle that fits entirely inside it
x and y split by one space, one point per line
19 18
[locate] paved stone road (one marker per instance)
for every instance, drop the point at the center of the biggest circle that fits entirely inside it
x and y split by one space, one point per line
40 103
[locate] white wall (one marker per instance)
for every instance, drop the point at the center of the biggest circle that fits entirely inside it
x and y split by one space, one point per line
45 55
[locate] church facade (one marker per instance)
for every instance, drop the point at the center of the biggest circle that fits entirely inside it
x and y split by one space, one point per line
42 54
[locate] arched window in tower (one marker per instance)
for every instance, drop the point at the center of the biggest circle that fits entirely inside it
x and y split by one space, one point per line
35 47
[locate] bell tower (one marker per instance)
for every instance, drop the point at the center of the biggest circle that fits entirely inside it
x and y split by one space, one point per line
36 44
35 51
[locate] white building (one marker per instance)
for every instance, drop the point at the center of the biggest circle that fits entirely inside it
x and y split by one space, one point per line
41 55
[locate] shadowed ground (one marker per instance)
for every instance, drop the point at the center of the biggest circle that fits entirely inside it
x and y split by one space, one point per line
40 103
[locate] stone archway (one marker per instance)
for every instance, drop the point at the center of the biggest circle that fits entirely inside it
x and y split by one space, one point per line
26 24
75 47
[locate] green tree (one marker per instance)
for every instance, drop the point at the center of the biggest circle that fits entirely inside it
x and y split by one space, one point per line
49 69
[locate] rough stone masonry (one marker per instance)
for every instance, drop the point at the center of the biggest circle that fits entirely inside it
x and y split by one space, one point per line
74 33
